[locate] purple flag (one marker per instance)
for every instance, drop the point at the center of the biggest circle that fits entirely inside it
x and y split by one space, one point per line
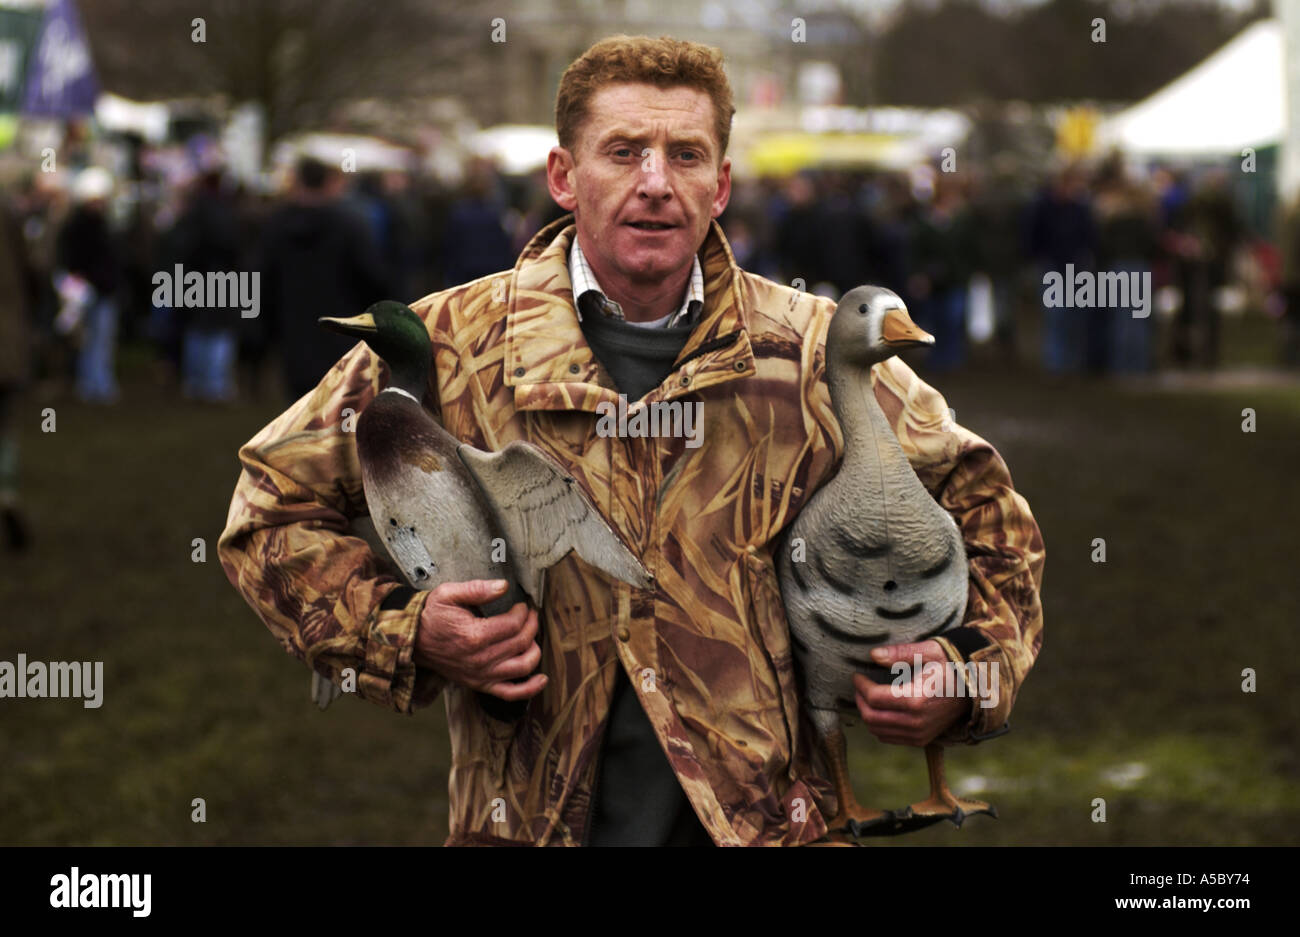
61 78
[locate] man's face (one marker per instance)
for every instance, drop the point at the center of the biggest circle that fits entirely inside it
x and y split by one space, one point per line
644 180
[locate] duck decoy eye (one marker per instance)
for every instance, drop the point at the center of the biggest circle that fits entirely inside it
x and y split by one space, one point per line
891 586
862 310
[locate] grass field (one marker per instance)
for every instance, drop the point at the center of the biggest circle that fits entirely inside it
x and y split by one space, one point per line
1136 699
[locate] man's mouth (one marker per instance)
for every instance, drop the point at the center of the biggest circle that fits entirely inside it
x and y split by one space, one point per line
650 225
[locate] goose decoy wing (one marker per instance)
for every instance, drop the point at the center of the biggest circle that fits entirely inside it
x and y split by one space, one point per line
544 514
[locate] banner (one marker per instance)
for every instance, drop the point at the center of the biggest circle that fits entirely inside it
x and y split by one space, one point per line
61 79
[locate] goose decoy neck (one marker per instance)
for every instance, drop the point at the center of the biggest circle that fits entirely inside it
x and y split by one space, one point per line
398 336
870 325
861 420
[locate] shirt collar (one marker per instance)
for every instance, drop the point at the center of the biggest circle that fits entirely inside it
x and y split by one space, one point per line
587 291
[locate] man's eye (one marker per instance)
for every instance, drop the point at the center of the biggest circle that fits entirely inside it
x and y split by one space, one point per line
623 151
689 155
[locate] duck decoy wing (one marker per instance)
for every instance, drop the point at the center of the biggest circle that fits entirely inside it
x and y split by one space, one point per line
544 514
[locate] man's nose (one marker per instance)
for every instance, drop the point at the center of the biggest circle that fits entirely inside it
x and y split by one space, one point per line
654 181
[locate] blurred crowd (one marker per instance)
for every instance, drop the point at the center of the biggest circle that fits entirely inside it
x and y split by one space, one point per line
966 251
82 268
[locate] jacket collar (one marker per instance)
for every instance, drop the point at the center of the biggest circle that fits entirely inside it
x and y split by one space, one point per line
548 361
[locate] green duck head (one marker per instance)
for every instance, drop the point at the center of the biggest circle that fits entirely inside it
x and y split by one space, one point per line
396 335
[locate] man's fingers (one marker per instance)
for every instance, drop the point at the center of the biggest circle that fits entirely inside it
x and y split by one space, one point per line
883 697
887 718
517 691
512 644
519 666
499 628
892 728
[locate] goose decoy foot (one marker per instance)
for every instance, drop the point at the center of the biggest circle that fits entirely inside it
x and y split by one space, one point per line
943 804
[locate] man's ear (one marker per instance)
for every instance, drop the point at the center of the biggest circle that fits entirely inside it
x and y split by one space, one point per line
724 187
559 170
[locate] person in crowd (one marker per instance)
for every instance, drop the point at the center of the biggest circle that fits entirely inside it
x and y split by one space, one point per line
1061 231
89 275
476 242
1204 232
206 239
941 249
1126 244
316 259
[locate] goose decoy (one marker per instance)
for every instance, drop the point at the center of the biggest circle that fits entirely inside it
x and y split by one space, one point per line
882 562
439 506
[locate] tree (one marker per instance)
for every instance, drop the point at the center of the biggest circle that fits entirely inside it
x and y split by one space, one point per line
296 58
961 51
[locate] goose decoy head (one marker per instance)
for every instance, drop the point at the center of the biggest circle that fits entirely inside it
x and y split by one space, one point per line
394 333
870 325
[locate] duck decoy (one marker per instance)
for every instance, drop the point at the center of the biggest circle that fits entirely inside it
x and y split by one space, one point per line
881 562
443 509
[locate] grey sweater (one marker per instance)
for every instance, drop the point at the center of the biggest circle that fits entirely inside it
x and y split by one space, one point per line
638 800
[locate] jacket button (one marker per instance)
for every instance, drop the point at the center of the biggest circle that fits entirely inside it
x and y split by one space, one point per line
574 369
740 365
686 379
624 635
519 372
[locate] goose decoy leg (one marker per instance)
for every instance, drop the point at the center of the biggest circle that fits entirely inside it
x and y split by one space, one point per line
323 691
942 804
852 816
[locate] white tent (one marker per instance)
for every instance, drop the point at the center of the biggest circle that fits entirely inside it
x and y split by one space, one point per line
1232 100
518 148
150 120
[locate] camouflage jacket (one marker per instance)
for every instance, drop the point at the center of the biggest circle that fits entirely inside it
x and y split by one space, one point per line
708 650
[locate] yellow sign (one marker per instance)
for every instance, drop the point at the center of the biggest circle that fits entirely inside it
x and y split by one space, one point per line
1076 134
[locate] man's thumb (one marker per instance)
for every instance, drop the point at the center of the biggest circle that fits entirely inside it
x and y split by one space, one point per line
889 653
474 591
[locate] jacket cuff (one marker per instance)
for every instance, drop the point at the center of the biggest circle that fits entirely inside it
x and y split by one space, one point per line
991 701
391 677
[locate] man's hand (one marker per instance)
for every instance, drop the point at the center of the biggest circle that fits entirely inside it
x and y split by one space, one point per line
910 718
483 654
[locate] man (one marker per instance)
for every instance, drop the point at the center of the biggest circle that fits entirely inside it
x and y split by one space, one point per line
657 716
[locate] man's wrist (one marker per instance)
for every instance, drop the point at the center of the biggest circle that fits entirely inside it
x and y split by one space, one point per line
392 676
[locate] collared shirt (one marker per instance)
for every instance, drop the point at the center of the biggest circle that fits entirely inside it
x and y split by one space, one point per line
586 291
